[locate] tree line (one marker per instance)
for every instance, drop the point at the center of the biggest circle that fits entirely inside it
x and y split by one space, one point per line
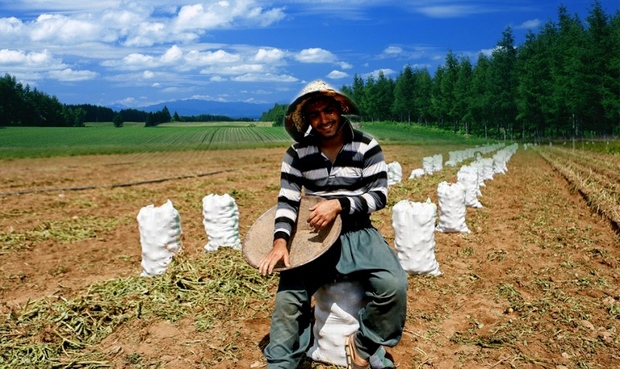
563 81
22 106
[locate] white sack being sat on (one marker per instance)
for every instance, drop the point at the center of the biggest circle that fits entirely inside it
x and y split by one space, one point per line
336 310
160 237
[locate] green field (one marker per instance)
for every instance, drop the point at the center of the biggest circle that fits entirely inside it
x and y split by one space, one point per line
104 138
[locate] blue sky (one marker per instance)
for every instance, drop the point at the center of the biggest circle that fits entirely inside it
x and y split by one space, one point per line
142 52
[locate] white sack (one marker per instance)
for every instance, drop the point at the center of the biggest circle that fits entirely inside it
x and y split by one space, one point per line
480 167
414 229
437 163
487 168
416 173
452 208
160 237
395 173
221 222
468 177
335 311
428 165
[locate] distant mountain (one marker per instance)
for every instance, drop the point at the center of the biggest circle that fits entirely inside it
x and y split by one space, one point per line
193 107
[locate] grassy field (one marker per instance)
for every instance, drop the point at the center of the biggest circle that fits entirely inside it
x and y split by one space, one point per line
104 138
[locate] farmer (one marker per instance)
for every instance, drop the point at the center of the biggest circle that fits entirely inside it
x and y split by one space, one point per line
332 160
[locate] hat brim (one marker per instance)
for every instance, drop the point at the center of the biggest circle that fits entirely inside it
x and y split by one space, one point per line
294 123
306 244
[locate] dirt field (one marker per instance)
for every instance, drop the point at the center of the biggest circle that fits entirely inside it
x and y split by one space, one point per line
535 285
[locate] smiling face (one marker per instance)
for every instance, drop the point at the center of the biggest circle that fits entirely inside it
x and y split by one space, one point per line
324 116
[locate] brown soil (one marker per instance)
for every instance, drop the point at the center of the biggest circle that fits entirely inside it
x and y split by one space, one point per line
535 285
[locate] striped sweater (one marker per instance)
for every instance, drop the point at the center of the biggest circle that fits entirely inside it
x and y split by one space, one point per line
357 178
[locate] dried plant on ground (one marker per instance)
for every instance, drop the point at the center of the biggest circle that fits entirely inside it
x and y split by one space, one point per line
535 285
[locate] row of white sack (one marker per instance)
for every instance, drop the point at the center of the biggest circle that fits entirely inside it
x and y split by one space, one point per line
160 227
415 223
431 164
160 230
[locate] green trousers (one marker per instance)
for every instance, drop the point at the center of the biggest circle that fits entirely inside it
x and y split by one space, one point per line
362 255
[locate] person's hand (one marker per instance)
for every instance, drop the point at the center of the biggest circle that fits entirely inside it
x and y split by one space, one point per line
277 253
323 213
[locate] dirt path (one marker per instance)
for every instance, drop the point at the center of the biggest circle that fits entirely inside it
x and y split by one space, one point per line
535 285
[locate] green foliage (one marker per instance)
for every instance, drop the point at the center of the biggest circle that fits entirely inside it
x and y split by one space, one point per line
104 138
21 106
54 332
118 121
562 82
275 115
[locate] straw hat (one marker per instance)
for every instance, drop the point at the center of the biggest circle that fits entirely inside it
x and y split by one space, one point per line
305 245
294 122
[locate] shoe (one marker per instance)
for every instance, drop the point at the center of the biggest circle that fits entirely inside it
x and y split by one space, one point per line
351 352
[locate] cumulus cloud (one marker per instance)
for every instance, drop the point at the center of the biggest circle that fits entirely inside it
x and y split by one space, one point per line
336 74
315 55
17 57
223 14
268 55
64 30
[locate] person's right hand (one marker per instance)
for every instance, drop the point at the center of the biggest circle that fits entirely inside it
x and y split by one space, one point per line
277 253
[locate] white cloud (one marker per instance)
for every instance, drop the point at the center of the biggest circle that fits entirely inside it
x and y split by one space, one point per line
234 69
336 74
64 30
223 14
529 24
393 50
211 57
375 73
268 55
267 77
172 55
315 55
20 57
449 11
70 75
11 26
345 65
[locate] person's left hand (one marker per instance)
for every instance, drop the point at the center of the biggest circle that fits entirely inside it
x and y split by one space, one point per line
323 213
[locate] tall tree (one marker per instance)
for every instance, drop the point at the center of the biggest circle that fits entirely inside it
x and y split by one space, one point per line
462 93
422 95
481 96
357 93
504 84
404 87
448 84
602 89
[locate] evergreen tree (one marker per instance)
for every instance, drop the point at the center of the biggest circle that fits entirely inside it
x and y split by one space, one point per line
118 121
504 84
462 94
423 83
404 87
